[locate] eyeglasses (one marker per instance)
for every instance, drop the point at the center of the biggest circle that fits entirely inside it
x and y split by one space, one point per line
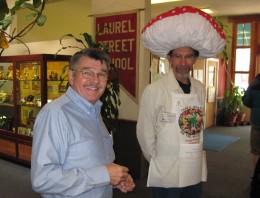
89 75
179 57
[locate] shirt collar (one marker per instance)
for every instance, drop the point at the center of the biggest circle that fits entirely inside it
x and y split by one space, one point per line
79 100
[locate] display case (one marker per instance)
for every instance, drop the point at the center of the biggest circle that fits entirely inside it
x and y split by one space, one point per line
27 82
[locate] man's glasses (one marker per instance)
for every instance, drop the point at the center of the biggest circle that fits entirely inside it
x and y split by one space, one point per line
179 57
89 75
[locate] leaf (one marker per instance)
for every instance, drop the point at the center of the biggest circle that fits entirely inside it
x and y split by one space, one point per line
3 41
36 3
64 36
2 15
3 9
17 6
29 6
63 48
64 69
30 16
6 22
70 35
41 20
105 48
88 39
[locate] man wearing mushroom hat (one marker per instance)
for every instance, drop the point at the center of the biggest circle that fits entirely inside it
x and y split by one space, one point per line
170 121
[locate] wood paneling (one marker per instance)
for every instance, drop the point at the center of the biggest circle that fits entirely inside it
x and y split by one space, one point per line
25 152
8 147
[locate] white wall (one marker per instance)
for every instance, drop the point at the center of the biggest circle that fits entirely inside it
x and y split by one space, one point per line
43 47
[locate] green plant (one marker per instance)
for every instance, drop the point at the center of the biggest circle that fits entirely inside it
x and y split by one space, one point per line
110 97
64 75
232 101
228 38
35 17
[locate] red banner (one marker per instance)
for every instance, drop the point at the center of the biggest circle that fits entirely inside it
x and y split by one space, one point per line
119 33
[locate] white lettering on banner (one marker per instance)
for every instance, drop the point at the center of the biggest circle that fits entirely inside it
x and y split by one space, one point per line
124 45
122 63
116 27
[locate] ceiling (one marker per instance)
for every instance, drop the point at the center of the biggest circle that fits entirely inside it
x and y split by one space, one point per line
219 7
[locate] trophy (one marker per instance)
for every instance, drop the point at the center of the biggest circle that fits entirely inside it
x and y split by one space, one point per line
35 69
25 72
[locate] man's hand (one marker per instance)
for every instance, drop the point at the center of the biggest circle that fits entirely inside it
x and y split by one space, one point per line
117 173
126 185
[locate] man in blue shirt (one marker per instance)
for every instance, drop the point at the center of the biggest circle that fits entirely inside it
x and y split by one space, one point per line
72 154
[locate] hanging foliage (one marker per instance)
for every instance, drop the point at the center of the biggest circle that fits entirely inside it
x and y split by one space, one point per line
35 17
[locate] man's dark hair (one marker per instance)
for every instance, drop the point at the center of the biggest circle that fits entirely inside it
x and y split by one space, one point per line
93 53
196 52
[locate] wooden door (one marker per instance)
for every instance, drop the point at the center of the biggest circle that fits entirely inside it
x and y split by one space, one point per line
206 70
211 91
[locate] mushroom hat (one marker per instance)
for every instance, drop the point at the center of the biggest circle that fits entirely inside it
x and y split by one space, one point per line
184 26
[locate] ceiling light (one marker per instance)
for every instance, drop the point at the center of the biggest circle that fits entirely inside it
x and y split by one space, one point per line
207 10
162 1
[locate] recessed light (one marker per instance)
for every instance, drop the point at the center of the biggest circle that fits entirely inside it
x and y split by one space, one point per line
207 10
162 1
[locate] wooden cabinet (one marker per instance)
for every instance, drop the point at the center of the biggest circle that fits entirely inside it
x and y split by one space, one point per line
27 82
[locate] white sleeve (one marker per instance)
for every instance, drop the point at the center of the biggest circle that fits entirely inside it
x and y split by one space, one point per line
145 124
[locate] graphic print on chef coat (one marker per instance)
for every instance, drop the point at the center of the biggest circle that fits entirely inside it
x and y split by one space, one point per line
189 117
192 164
191 121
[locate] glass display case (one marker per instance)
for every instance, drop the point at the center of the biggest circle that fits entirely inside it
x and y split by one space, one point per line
27 82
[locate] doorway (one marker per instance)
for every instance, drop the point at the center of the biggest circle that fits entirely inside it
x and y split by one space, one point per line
206 70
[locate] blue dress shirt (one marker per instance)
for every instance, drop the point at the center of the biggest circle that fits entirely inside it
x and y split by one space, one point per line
71 147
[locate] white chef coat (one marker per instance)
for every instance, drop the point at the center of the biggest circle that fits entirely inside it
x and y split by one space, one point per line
170 132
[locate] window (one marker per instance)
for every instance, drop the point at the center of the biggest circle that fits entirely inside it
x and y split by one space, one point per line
243 34
242 55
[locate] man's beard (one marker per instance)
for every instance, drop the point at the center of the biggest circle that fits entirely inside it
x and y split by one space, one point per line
184 75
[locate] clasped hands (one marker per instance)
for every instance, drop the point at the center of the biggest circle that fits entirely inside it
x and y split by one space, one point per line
120 178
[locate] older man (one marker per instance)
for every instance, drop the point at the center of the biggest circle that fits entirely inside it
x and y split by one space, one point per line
170 122
72 154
